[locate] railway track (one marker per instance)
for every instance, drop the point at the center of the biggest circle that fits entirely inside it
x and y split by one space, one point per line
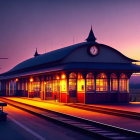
116 112
99 130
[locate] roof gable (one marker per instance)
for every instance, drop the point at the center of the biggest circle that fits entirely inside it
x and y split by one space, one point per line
73 53
105 54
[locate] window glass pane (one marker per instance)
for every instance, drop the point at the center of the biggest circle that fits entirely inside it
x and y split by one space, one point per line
101 76
114 83
90 85
63 85
101 85
123 83
72 84
72 75
36 86
56 85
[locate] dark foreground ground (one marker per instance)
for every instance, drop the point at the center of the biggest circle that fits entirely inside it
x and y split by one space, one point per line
21 125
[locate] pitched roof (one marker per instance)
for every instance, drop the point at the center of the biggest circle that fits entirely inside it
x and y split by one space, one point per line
58 55
49 57
111 67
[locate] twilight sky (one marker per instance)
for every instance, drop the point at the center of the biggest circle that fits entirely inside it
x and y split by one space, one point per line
51 24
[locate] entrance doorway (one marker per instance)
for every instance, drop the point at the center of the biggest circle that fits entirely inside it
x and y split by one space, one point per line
73 85
56 87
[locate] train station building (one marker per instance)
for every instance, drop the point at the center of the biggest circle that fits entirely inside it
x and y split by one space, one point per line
87 72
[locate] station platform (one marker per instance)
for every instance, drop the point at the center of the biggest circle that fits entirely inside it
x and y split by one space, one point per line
118 121
132 106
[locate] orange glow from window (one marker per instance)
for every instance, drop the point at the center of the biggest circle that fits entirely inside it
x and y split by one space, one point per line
80 76
63 85
81 85
124 83
31 80
101 85
101 82
72 75
45 83
90 86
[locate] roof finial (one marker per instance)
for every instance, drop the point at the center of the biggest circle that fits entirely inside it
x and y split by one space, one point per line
91 36
36 53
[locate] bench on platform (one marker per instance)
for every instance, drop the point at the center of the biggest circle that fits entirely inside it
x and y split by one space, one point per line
3 115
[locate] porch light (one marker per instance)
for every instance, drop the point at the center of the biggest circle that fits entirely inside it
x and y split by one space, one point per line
57 77
16 79
31 80
63 76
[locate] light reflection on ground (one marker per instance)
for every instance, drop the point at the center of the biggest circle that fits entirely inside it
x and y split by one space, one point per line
126 123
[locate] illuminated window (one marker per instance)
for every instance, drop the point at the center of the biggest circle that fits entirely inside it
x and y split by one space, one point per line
63 83
72 75
80 83
90 86
101 83
72 81
36 86
113 82
123 83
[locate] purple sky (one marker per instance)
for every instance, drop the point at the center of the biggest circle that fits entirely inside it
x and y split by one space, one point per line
51 24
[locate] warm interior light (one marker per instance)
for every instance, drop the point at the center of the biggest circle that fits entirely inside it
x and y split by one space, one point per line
63 76
57 77
44 83
31 80
16 79
63 85
101 82
81 85
101 85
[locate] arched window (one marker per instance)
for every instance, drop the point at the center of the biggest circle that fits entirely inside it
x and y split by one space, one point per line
72 75
123 83
80 83
101 83
72 84
90 86
113 82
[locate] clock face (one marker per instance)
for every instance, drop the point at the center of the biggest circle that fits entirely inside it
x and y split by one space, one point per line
93 50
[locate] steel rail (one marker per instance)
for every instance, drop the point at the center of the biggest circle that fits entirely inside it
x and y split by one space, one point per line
116 112
99 130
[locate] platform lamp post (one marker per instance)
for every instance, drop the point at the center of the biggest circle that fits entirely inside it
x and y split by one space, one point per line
16 80
31 81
